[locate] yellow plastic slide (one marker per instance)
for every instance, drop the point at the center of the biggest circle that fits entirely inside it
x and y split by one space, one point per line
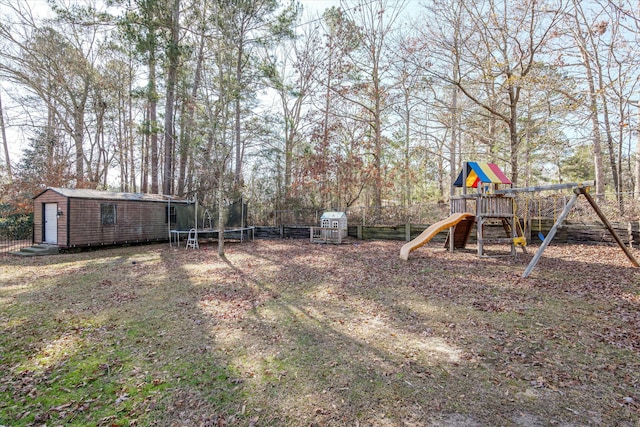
430 232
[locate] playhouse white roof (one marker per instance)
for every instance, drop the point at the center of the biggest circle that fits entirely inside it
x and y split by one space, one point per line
333 215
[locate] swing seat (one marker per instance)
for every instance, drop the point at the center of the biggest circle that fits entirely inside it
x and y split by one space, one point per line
520 241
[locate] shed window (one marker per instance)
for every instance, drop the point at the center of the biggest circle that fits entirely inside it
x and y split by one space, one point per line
108 214
171 214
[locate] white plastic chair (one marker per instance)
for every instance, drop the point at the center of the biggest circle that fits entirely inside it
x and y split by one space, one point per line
192 240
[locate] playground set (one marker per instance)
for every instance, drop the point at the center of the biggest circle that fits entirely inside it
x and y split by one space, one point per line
495 201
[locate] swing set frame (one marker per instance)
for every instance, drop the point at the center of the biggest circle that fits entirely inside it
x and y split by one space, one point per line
578 189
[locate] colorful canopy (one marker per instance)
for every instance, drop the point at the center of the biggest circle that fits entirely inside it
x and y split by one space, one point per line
485 173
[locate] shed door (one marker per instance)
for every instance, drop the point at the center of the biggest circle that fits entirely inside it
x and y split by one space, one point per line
50 223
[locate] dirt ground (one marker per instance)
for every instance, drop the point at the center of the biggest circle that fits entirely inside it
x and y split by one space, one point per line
291 333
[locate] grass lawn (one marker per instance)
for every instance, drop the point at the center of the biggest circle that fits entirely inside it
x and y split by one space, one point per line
289 333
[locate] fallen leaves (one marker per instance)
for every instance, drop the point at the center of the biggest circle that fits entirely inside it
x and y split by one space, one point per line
290 333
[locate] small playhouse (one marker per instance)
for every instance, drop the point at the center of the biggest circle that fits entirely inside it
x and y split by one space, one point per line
333 228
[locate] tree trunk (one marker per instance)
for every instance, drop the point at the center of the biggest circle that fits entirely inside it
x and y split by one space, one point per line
377 123
325 128
288 159
595 128
187 140
612 153
172 75
636 169
607 126
453 144
221 209
407 146
144 154
514 95
105 156
238 119
129 134
153 122
581 42
102 155
123 143
78 129
5 145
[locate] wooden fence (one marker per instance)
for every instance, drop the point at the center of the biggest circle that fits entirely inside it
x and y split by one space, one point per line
572 232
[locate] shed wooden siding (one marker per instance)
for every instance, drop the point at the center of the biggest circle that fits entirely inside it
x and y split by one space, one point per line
136 221
49 196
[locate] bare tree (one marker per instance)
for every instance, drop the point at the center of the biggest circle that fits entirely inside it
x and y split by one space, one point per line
55 62
292 72
364 76
246 25
502 45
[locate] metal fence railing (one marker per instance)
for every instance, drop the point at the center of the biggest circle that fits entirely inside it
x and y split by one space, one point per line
16 231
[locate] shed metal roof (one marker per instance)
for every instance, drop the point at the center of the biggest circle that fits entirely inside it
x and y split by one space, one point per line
83 193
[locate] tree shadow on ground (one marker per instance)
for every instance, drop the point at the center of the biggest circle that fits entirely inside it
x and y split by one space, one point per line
287 332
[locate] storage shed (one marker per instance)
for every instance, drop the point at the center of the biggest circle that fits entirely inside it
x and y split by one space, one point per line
81 217
333 228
